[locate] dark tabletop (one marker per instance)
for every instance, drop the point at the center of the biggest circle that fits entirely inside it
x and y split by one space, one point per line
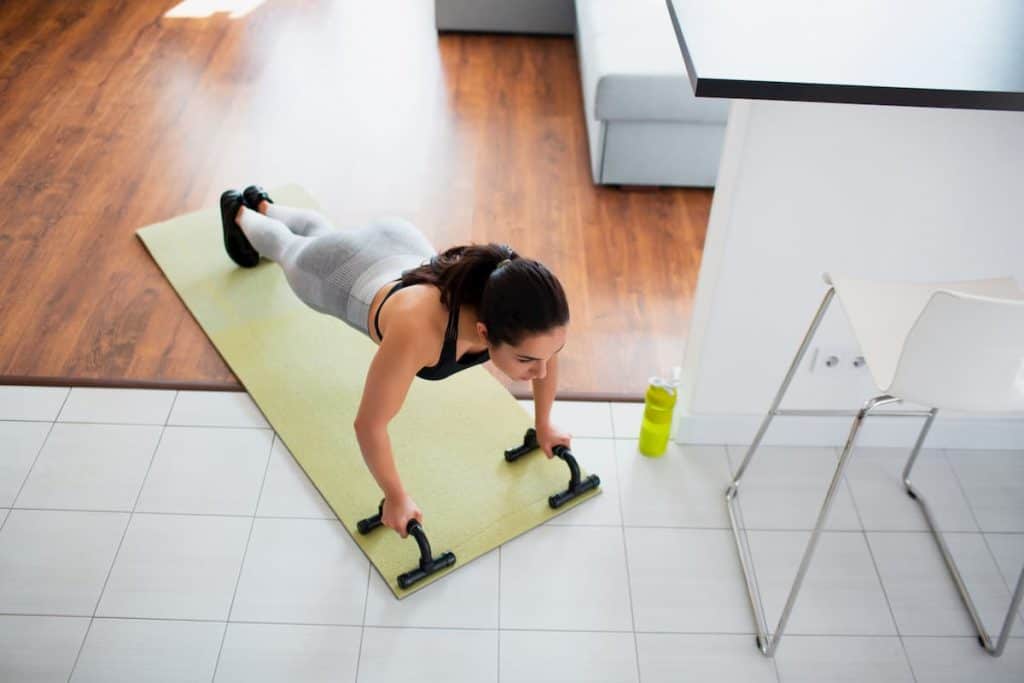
928 53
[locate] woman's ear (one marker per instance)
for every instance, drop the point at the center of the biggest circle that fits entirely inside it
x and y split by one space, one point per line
481 329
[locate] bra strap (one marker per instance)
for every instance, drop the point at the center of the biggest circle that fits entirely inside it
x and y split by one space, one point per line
376 316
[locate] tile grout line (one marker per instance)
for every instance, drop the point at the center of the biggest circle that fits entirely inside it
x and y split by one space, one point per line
35 460
362 626
625 558
878 572
963 492
736 634
1015 618
762 529
245 551
124 534
888 602
264 427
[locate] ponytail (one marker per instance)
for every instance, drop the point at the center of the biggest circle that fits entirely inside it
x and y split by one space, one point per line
511 295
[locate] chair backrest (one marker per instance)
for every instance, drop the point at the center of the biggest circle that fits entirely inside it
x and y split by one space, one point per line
964 353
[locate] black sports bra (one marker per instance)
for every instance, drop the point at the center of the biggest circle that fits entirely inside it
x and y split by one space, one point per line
447 365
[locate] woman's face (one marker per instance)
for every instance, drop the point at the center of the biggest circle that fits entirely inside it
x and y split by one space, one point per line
529 359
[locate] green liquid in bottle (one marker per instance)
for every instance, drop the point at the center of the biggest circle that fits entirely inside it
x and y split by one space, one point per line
656 425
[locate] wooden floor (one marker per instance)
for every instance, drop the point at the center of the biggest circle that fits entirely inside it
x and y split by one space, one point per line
118 114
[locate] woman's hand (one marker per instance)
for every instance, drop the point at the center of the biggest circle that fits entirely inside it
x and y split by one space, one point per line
397 513
549 436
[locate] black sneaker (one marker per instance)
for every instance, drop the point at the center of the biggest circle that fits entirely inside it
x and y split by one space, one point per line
253 195
235 242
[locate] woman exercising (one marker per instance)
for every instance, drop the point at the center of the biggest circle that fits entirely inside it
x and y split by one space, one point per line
473 303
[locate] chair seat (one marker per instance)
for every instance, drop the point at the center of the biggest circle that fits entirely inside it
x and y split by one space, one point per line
882 314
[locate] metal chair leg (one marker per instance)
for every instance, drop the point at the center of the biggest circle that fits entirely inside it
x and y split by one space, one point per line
983 637
822 308
823 512
742 544
767 642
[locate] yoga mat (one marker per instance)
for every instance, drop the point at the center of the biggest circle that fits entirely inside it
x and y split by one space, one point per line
305 370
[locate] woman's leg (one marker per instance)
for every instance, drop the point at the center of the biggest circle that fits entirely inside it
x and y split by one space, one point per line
305 222
268 236
273 240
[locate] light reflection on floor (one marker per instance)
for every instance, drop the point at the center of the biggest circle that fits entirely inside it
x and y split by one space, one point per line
198 9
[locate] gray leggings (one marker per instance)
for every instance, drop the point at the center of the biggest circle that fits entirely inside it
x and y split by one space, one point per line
336 272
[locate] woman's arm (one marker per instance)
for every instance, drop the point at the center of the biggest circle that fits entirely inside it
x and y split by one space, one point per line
399 358
544 394
376 448
548 436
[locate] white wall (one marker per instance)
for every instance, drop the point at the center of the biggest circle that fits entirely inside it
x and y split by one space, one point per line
867 191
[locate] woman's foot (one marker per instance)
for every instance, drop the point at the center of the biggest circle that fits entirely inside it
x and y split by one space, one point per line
235 242
256 198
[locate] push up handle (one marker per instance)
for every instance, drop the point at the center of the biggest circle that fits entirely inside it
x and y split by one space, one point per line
428 563
576 487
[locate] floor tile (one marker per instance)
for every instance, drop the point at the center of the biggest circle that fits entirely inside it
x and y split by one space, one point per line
923 596
580 418
287 491
955 660
56 562
568 578
686 580
20 443
31 403
994 484
91 467
784 488
306 571
142 650
216 409
123 406
670 658
841 593
207 471
176 567
595 456
567 657
812 659
875 477
626 418
256 653
405 654
683 488
39 648
467 598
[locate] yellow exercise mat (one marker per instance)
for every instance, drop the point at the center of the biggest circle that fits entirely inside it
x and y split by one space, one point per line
306 370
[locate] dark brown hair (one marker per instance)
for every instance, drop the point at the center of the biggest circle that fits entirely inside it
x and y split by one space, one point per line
511 295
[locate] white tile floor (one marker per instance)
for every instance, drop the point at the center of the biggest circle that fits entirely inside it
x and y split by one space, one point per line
152 535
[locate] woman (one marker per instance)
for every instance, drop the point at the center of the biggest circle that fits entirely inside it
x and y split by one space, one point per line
430 314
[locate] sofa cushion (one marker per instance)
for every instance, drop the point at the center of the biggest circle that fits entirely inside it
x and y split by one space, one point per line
635 70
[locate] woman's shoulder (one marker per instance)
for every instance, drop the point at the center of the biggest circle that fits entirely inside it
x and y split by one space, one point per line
415 314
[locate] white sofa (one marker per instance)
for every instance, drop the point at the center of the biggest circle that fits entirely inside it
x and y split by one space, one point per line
644 125
505 16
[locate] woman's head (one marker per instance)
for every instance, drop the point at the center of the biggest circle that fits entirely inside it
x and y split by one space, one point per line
520 305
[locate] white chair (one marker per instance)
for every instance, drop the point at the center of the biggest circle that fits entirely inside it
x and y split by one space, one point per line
951 346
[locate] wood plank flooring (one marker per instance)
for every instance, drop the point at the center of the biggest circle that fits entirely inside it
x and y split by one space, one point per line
115 115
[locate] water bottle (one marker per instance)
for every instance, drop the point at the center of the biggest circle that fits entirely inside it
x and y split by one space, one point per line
659 404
